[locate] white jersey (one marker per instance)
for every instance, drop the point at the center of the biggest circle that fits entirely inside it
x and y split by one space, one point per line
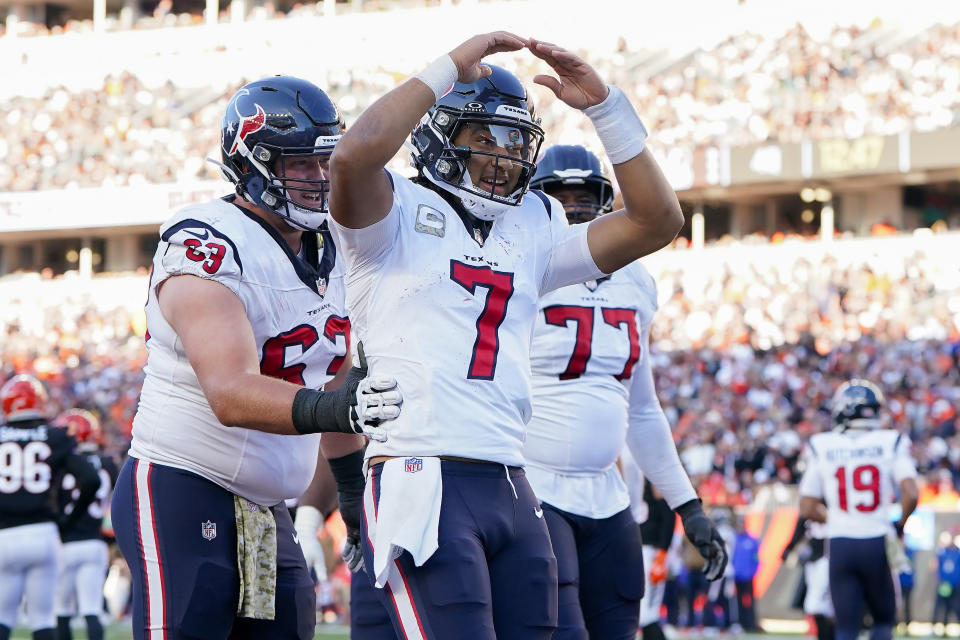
451 316
296 309
854 473
588 340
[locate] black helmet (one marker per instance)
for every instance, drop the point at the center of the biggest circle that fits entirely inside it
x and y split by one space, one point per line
268 124
563 166
857 404
498 104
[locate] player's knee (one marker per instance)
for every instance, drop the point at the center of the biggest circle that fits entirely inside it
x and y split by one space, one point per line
212 604
629 574
306 612
537 597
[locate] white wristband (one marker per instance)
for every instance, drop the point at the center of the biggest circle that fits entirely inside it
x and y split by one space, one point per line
439 75
618 126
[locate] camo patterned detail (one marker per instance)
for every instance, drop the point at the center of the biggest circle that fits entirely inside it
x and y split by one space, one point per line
256 559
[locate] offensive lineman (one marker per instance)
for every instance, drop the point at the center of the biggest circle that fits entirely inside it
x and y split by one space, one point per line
84 557
32 455
445 273
245 321
593 392
853 470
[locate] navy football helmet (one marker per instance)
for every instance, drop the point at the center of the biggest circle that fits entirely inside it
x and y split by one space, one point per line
498 107
268 125
857 404
572 166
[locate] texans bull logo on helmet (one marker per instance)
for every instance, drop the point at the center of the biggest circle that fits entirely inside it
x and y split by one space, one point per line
248 125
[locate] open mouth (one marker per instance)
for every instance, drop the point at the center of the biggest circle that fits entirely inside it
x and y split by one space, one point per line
498 186
311 197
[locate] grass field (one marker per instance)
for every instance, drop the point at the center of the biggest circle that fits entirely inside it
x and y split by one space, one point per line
122 632
118 632
336 632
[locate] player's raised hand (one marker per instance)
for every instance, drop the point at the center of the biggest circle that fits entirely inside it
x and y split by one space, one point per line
577 83
468 55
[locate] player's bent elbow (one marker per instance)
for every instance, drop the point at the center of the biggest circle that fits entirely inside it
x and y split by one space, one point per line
672 222
227 410
345 160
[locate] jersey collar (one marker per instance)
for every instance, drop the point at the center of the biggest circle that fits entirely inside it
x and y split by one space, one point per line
310 272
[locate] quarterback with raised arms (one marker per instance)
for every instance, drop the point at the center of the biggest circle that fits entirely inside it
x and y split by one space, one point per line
444 277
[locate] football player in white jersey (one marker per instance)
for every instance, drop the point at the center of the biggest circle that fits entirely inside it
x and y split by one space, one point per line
445 274
849 484
33 454
246 322
593 392
816 574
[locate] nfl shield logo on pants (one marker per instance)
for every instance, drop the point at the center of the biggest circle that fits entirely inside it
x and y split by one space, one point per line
208 530
412 465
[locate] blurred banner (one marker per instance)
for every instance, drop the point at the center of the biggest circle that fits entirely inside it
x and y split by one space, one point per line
812 160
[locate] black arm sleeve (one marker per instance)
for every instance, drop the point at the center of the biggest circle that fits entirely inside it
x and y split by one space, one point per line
87 482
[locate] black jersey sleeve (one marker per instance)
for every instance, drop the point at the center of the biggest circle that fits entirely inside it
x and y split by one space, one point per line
88 481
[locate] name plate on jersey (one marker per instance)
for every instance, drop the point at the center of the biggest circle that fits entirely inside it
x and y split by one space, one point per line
431 221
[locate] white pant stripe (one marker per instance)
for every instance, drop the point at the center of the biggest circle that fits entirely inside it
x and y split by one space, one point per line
403 602
151 555
397 590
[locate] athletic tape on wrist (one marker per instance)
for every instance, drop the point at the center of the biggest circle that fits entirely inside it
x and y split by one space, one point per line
618 126
439 75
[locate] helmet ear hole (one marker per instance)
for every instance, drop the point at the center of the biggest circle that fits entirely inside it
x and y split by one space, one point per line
451 171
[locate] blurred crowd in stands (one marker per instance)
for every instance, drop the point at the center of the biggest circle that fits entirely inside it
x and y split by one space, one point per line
85 344
750 88
746 358
164 14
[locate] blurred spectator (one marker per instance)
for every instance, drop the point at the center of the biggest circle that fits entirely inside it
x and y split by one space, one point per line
948 580
746 561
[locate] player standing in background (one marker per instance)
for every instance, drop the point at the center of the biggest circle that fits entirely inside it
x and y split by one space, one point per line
32 455
593 392
657 526
245 322
854 470
445 274
84 557
816 574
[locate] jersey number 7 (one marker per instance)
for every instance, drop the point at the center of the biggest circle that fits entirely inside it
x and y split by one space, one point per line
499 285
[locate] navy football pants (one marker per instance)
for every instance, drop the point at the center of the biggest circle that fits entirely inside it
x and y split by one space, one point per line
600 573
493 577
178 535
859 572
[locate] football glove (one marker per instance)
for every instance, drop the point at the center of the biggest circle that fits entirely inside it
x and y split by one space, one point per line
705 537
348 472
373 400
361 405
307 523
658 570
